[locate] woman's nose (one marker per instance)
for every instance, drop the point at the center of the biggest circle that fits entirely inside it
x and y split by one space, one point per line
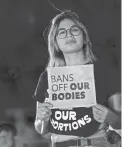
69 34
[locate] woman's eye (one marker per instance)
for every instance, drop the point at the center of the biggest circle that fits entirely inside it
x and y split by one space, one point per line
75 29
61 32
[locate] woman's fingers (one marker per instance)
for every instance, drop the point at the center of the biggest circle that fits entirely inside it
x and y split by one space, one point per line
44 111
100 113
99 118
96 111
44 116
47 104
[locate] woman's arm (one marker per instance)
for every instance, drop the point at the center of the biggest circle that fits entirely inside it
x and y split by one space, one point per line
43 113
41 126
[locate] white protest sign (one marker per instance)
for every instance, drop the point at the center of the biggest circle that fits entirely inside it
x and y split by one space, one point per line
71 86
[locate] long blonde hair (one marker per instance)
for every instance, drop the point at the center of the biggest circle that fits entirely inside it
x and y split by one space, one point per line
56 57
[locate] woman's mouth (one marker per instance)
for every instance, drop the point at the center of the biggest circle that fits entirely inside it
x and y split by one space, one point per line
70 42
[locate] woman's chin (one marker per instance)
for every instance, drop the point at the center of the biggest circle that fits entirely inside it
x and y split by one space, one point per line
72 50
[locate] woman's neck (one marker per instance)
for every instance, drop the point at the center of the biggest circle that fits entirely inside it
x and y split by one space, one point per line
75 58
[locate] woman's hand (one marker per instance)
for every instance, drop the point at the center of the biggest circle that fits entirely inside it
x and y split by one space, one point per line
44 111
100 113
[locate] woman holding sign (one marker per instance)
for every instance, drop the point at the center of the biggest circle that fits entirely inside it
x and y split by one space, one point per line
76 125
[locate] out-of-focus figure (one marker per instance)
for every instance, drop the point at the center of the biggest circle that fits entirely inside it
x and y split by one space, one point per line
24 123
7 134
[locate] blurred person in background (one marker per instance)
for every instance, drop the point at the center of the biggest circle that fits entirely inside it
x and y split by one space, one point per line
7 135
23 121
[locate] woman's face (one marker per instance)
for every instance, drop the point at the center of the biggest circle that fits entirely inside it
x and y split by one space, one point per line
66 41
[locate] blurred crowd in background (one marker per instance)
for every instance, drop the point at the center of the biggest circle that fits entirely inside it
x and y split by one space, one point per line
18 130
